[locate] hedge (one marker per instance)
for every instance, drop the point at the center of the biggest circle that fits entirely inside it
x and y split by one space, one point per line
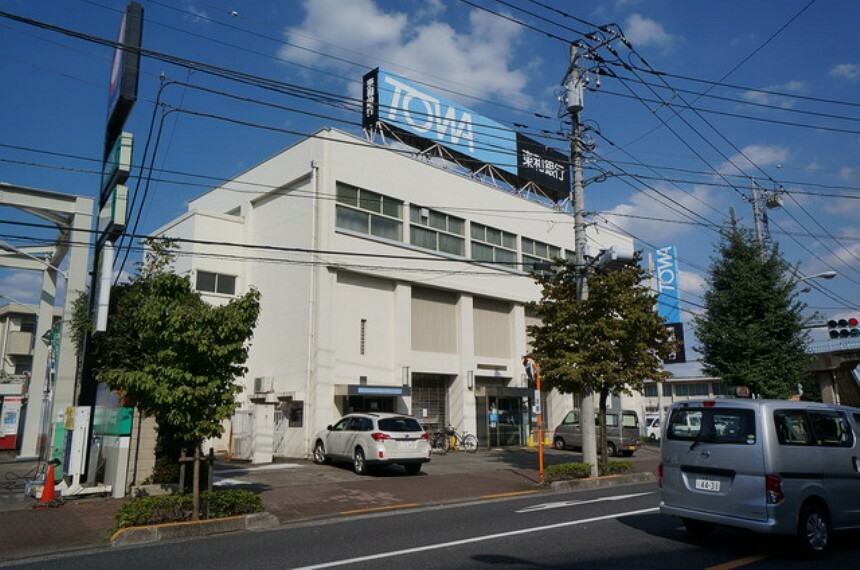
580 470
143 511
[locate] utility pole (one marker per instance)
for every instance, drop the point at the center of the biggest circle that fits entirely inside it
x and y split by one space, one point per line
759 232
574 90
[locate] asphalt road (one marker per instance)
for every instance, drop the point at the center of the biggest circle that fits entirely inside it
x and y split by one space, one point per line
611 528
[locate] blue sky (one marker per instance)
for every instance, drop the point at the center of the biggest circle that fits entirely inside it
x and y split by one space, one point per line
773 85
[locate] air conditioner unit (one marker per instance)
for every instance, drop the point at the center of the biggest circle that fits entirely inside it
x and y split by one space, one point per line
264 385
425 213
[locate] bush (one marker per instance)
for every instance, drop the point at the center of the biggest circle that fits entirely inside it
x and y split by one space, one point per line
144 511
566 471
579 470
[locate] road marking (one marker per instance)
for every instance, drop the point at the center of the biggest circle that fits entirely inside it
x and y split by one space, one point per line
740 562
561 504
392 554
376 509
272 467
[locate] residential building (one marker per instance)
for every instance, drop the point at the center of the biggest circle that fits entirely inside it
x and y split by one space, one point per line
389 282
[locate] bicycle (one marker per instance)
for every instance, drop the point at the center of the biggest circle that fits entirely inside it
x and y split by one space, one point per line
464 441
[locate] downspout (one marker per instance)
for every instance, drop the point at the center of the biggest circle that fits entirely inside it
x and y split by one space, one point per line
310 379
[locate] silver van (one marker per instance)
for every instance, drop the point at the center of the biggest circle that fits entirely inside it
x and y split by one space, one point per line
622 432
771 466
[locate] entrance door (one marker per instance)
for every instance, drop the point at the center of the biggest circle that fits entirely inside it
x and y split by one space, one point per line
505 416
356 404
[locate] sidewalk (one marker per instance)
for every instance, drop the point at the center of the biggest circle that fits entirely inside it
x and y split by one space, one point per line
292 490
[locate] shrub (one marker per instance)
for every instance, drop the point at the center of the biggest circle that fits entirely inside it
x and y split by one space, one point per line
566 471
144 511
579 470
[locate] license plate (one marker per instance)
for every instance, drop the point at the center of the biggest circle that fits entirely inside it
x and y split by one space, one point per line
407 444
707 485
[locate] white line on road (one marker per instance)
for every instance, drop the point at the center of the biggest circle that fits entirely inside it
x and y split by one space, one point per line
394 553
561 504
272 467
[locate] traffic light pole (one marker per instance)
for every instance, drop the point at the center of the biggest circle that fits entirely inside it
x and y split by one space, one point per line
574 106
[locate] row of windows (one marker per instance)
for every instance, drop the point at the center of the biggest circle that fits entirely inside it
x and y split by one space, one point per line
688 389
367 212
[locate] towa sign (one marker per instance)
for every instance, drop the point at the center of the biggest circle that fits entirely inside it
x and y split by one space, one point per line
423 119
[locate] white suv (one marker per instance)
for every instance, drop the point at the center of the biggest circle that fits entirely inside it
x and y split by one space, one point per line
374 439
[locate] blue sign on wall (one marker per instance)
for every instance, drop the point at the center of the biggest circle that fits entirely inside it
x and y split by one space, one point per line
668 298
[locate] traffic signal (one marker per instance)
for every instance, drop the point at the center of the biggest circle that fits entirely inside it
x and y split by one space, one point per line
844 328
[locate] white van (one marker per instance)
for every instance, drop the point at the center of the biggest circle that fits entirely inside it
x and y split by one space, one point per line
622 432
771 466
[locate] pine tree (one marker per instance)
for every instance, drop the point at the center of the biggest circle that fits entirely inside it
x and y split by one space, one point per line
610 343
751 333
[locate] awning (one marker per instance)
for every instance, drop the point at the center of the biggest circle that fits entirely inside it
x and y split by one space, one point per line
369 390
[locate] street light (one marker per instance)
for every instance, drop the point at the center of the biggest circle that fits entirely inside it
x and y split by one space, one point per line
822 275
12 249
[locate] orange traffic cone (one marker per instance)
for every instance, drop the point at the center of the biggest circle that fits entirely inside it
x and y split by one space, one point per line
48 489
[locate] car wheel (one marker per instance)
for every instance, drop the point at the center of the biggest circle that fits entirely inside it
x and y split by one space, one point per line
610 449
413 468
470 443
813 531
442 443
558 443
699 529
359 465
319 453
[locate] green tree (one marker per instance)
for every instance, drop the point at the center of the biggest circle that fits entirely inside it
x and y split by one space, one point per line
170 354
609 343
751 333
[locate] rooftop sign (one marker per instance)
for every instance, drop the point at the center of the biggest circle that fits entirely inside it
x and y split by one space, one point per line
424 119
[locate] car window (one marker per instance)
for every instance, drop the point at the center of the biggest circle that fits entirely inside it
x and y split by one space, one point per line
792 427
571 418
630 420
712 425
831 429
399 424
341 425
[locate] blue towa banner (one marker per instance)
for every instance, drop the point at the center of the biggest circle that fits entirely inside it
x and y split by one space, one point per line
666 269
423 119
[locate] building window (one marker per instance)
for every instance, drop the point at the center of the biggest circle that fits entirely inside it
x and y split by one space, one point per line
367 212
493 246
28 326
362 337
295 414
651 390
536 252
216 283
437 231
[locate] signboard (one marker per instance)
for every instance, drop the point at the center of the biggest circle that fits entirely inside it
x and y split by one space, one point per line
117 166
110 417
544 166
423 119
10 416
112 216
680 354
124 72
666 270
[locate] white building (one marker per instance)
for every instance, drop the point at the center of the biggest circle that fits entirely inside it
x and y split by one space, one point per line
388 283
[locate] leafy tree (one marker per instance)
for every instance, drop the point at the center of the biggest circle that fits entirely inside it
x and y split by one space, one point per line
609 343
751 333
171 355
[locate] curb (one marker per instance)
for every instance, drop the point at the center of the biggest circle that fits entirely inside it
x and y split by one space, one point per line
602 482
168 531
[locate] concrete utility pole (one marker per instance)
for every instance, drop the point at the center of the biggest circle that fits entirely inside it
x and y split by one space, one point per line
574 90
759 232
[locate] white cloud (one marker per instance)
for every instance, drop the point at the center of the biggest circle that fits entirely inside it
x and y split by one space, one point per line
847 206
20 286
753 156
643 32
474 60
849 71
654 219
692 285
776 100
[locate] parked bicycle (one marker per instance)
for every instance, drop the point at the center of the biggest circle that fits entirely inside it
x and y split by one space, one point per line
450 437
